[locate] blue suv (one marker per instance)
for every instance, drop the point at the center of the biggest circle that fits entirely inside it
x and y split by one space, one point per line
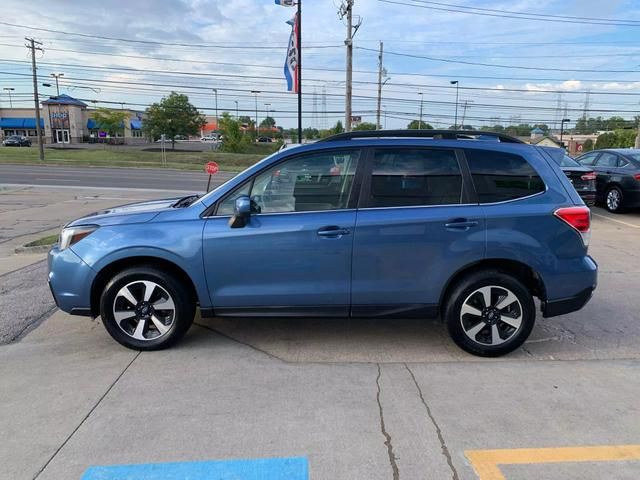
464 226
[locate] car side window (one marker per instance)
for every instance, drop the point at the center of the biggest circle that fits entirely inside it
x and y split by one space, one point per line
608 160
500 176
588 159
414 177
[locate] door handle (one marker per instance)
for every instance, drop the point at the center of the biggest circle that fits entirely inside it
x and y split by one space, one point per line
333 231
460 224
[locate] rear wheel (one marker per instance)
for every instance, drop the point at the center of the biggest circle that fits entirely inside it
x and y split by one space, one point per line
489 313
613 199
144 308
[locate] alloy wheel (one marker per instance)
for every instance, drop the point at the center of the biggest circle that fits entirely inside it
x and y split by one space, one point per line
613 199
144 310
491 315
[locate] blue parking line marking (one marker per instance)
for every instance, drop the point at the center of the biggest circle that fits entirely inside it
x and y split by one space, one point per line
292 468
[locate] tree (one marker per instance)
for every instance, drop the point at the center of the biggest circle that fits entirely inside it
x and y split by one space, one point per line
587 146
268 122
172 116
621 138
365 126
310 133
235 141
110 121
337 128
417 125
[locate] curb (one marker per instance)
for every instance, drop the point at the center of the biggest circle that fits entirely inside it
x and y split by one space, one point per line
36 249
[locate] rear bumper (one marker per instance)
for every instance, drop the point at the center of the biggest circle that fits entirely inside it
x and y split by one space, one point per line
589 198
575 289
567 305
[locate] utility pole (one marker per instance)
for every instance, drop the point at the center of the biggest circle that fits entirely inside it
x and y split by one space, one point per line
464 112
32 46
380 69
637 144
237 111
346 10
420 121
57 76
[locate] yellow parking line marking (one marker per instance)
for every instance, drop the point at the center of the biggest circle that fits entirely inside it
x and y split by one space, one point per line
485 462
615 220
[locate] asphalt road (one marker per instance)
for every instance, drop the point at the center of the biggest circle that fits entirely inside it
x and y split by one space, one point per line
137 178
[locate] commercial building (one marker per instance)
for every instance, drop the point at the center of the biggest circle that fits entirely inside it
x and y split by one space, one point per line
64 120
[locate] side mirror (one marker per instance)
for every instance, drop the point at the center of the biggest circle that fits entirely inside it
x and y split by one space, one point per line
241 212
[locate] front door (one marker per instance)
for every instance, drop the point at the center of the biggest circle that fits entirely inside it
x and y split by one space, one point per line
294 255
62 136
416 226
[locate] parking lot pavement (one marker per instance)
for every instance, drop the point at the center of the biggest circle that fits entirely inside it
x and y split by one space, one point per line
361 399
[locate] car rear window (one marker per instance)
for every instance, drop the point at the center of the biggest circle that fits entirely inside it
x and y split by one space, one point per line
500 176
415 177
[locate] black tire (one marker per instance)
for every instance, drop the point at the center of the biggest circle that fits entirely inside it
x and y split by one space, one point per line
614 190
466 289
183 312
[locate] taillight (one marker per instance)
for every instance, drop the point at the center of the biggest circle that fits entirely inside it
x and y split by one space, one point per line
637 176
578 218
589 176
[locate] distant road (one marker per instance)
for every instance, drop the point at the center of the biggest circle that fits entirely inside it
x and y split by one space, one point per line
142 178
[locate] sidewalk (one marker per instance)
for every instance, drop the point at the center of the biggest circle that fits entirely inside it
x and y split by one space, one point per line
72 398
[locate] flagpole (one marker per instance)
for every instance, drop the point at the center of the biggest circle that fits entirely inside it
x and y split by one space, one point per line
299 71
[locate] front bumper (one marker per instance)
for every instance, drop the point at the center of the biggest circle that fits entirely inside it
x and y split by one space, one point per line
70 281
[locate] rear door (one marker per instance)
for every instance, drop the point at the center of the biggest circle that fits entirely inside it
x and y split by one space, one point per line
606 167
417 223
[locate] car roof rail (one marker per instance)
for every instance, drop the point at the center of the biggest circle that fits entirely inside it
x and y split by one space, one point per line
434 134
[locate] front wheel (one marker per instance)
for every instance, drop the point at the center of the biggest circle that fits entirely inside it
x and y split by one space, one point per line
144 308
489 313
613 200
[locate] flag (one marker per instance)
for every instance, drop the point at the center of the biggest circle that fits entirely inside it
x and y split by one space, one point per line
291 62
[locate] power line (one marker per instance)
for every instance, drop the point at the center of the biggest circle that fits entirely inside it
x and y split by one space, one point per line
495 65
514 15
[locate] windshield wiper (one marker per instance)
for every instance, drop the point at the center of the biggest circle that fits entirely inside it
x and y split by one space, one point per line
186 201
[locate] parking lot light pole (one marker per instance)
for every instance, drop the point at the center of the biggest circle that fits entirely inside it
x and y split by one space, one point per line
9 89
457 84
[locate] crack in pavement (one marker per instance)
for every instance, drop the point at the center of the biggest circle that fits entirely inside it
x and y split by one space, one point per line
443 445
387 442
55 454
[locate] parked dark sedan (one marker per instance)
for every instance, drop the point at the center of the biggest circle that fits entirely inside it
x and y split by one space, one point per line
618 177
583 178
16 141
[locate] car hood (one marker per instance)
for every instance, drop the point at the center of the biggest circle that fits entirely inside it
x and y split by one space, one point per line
139 212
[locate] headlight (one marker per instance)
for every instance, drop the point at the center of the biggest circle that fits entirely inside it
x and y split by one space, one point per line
72 235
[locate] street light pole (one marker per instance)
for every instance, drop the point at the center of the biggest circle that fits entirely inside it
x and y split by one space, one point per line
57 76
237 111
457 84
420 121
562 122
215 91
9 89
267 105
256 92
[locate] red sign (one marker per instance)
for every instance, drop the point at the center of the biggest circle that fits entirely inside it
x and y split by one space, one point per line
211 168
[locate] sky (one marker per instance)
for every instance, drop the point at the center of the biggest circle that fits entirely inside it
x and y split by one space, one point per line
510 70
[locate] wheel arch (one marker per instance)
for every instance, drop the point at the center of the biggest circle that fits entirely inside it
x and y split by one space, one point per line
523 272
108 271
